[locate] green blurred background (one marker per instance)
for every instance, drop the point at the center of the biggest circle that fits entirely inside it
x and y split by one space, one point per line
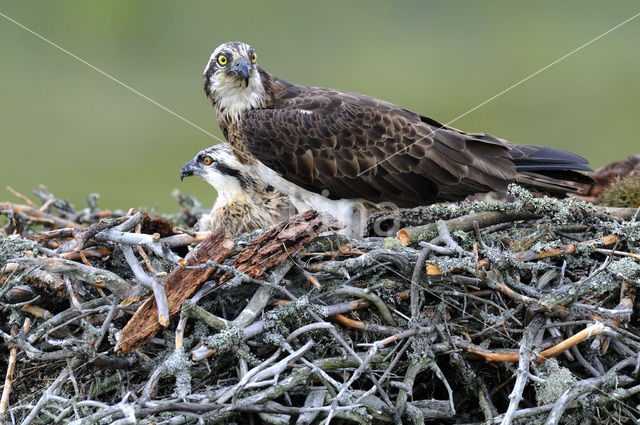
67 126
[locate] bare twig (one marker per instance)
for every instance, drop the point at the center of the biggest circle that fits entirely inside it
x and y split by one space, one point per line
150 282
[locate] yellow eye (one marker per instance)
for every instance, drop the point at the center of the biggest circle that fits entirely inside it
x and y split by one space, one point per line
207 159
254 57
222 60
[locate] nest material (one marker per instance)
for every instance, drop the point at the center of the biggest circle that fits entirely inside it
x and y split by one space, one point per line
494 313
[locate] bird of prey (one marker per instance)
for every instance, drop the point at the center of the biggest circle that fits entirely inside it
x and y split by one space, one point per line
343 152
245 202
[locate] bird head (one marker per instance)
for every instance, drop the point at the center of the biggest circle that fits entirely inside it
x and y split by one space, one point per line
232 79
218 166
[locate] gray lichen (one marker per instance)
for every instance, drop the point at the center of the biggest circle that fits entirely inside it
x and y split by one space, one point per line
447 264
625 268
557 380
178 365
13 247
224 339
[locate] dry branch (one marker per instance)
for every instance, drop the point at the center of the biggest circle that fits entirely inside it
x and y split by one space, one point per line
415 235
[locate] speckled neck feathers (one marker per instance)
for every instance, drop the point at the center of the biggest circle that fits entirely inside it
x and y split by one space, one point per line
233 101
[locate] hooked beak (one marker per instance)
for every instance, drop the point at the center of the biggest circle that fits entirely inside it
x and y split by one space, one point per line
242 69
188 169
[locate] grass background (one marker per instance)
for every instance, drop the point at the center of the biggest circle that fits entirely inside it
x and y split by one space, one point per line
67 126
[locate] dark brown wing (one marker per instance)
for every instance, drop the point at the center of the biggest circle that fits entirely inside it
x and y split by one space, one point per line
355 146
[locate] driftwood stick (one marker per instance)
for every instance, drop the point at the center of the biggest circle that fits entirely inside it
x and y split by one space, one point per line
522 374
146 260
365 326
147 241
618 213
369 296
99 277
415 235
11 364
107 321
372 260
66 232
184 239
565 249
409 378
21 196
315 399
37 312
51 280
129 222
231 392
297 377
152 382
38 216
416 278
494 282
37 354
87 253
282 365
621 253
204 290
150 282
255 306
589 332
81 237
192 310
261 297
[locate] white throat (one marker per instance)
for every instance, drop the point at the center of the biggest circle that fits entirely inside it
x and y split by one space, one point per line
228 188
232 98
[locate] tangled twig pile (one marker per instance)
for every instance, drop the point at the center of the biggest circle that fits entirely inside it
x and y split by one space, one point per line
495 313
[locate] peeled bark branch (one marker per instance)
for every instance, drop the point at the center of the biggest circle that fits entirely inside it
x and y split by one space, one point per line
179 285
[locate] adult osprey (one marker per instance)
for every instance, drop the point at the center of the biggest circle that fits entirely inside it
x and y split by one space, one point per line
342 152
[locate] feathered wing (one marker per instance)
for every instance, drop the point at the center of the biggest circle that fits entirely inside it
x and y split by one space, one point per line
355 146
549 169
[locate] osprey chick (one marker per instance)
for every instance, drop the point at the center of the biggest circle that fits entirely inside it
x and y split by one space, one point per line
245 202
343 153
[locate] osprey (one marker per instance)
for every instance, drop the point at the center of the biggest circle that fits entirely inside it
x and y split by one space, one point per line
245 202
345 153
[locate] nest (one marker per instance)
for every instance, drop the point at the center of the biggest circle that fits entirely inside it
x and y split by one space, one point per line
503 312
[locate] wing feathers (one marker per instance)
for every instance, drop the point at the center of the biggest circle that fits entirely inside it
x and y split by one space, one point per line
359 147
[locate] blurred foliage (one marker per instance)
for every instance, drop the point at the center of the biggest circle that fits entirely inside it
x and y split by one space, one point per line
67 126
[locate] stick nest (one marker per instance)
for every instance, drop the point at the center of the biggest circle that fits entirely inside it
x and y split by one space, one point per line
505 312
